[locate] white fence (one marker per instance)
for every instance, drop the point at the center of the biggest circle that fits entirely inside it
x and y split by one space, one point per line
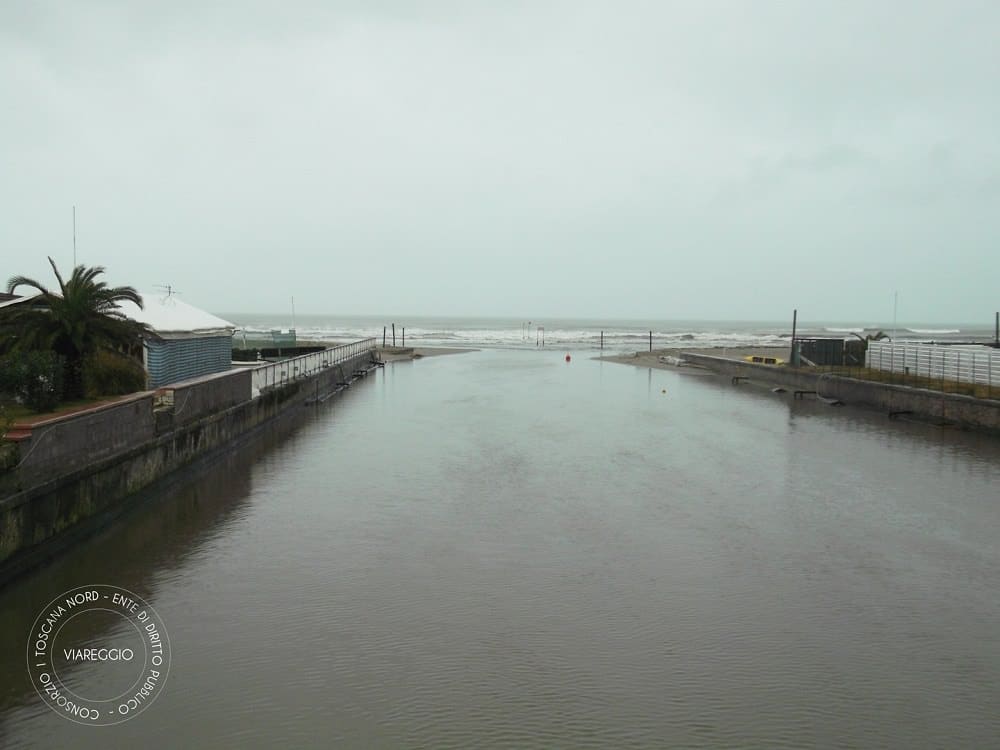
964 364
279 373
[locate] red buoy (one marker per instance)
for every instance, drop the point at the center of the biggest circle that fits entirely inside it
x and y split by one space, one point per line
567 358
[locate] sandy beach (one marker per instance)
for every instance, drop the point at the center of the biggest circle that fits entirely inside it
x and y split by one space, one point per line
396 353
653 358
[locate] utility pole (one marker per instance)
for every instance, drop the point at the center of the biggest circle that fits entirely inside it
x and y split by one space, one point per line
791 357
895 305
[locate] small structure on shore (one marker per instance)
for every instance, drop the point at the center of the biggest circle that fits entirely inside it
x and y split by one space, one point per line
820 350
185 343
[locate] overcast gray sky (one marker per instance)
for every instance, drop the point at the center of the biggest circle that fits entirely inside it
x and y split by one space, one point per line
604 159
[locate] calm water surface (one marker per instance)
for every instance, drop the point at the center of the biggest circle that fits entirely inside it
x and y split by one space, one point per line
498 549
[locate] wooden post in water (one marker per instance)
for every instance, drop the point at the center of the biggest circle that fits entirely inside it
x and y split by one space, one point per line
394 334
650 341
383 337
602 341
404 337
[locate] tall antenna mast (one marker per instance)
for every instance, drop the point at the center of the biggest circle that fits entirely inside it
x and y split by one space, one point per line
168 289
895 305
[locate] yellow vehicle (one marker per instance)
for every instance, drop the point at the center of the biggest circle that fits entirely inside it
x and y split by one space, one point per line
759 359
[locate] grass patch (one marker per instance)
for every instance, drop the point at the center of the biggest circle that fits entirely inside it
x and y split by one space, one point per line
976 390
20 413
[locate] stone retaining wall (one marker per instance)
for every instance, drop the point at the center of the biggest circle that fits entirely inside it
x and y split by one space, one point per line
40 512
965 411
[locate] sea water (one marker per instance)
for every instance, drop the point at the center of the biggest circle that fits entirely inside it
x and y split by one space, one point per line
617 335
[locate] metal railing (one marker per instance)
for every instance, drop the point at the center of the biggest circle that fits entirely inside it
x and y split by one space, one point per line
289 370
956 364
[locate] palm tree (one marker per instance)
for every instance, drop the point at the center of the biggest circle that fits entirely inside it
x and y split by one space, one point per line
76 322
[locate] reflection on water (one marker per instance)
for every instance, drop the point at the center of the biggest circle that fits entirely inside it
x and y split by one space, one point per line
503 549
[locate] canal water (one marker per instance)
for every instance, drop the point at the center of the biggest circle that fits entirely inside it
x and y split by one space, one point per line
502 549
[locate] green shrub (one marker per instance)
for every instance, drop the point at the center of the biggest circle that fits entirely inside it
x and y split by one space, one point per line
109 374
9 376
33 378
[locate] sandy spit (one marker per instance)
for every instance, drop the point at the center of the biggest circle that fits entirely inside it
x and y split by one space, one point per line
653 358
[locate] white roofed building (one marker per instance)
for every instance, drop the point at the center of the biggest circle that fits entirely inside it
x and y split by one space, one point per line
187 342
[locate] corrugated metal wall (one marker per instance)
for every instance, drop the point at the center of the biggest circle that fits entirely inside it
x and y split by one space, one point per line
822 351
174 360
966 364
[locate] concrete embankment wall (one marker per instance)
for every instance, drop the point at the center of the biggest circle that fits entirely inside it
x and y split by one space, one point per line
951 408
78 472
62 445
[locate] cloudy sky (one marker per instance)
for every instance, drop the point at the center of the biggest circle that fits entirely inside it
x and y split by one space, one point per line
668 160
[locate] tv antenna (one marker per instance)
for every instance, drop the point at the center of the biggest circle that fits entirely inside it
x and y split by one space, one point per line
167 288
